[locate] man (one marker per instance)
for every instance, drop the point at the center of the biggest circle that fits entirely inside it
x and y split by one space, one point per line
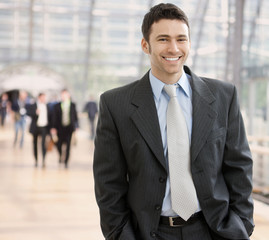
19 108
4 104
134 181
64 123
92 110
39 113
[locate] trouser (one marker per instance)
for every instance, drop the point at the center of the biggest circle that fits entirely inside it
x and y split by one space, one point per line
64 138
3 116
92 127
40 131
20 125
197 230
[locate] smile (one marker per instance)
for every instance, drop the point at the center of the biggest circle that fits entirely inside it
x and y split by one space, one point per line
171 59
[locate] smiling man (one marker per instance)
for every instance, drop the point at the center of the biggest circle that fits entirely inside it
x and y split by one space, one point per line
171 158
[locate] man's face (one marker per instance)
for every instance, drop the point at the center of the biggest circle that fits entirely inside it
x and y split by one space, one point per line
65 96
42 98
168 48
23 95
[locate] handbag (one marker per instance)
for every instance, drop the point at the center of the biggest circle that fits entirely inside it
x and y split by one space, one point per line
50 145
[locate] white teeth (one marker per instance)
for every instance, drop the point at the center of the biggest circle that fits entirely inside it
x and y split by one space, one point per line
172 59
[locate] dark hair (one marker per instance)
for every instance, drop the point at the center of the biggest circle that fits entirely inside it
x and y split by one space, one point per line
162 11
64 90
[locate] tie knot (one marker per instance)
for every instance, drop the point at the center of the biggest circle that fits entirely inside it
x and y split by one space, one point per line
171 90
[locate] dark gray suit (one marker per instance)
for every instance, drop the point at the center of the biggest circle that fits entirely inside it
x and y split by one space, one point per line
130 170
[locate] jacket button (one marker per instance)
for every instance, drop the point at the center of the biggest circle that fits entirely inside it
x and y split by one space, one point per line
157 207
161 180
153 234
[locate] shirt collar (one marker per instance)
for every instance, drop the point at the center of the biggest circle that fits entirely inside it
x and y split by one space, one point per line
157 85
40 103
66 103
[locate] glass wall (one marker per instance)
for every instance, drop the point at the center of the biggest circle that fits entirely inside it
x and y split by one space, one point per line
95 44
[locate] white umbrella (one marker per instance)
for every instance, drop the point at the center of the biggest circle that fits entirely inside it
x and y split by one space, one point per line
31 77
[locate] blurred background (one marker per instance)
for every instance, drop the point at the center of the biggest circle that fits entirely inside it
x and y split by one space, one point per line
90 46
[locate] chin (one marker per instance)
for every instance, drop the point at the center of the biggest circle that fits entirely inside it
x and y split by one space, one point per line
175 71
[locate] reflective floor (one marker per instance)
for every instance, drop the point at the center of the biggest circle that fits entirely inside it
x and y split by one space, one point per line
46 203
55 203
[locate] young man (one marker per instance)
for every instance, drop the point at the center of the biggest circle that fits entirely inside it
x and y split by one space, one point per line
4 107
19 108
92 110
64 123
39 113
137 187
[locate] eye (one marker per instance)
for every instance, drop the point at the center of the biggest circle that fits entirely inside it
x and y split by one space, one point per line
182 39
162 39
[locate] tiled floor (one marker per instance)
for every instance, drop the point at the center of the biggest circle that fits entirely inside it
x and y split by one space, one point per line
55 203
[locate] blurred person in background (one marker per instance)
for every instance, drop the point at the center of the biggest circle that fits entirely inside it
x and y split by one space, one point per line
64 123
4 106
39 127
91 109
19 108
139 173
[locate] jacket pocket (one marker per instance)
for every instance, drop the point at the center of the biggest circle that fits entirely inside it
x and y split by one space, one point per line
216 134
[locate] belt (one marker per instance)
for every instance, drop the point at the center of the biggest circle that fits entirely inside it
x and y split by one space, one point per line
180 222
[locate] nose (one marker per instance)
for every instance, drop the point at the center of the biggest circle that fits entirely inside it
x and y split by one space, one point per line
173 46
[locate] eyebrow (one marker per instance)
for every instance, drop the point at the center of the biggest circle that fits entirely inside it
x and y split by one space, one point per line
168 36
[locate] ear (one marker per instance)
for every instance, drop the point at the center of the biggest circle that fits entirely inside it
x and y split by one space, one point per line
145 46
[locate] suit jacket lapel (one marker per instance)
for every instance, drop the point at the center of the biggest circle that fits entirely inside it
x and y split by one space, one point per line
146 119
203 113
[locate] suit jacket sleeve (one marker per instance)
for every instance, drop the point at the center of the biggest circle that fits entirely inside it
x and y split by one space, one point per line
111 182
74 116
237 167
31 110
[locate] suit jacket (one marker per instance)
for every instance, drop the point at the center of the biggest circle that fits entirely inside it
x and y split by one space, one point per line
31 111
57 118
130 170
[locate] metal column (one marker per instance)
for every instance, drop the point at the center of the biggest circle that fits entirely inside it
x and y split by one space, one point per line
234 45
30 37
142 54
237 47
88 50
200 26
